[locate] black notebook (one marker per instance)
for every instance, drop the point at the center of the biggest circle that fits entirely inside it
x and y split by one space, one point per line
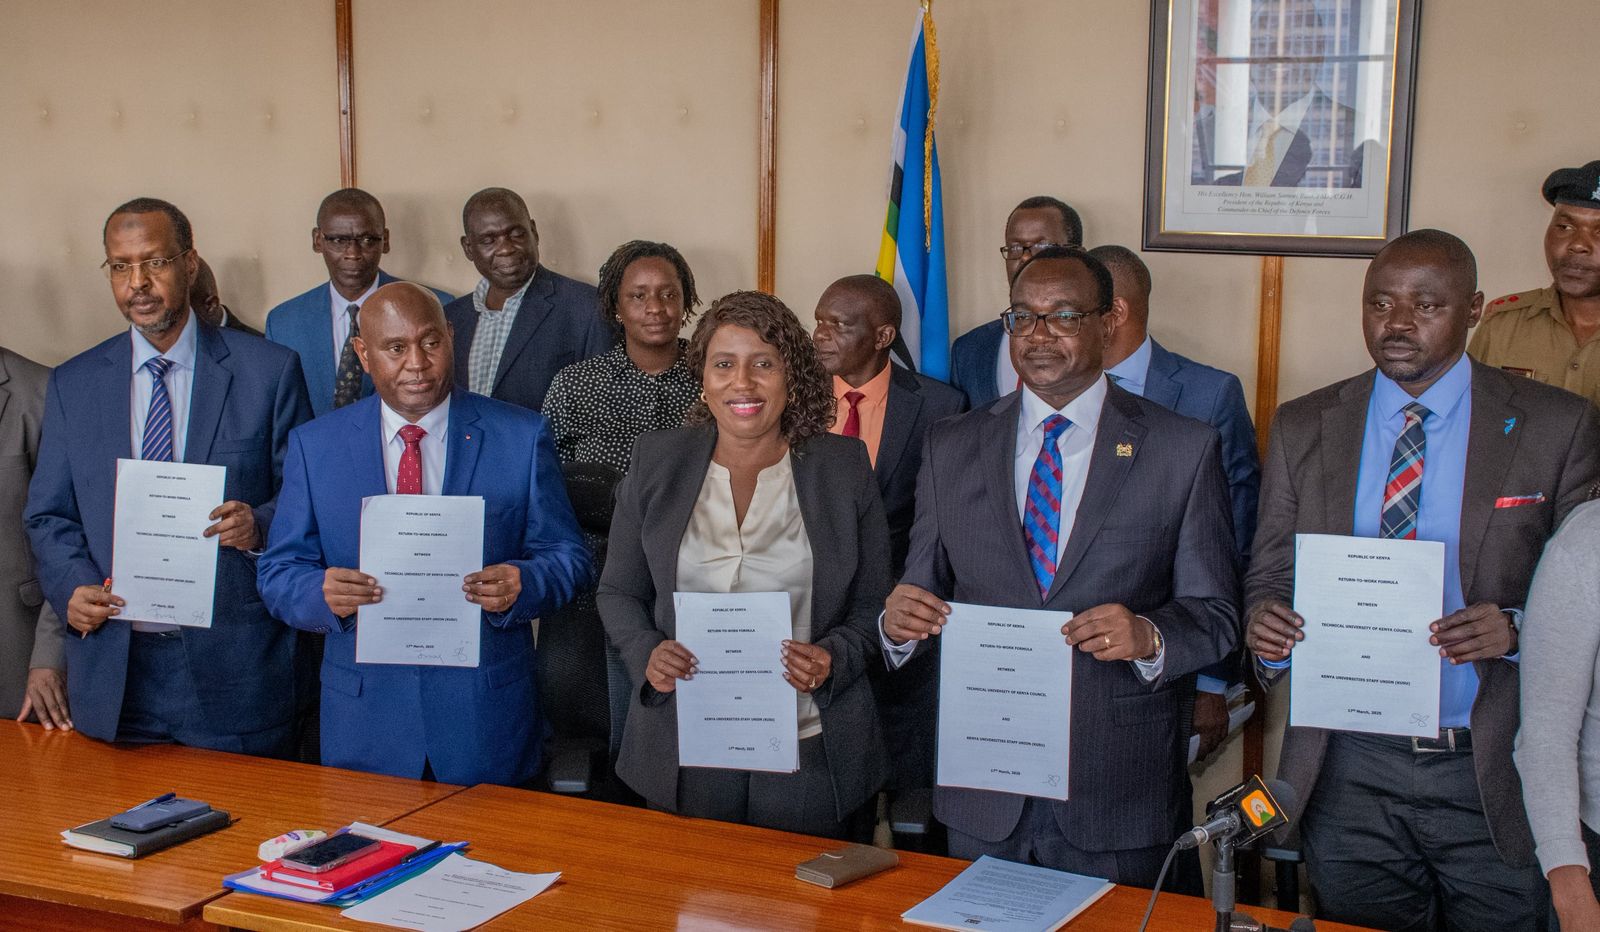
100 836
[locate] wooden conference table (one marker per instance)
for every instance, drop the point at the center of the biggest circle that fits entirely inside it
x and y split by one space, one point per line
54 781
627 868
621 867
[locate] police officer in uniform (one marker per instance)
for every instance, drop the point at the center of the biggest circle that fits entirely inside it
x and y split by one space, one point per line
1553 334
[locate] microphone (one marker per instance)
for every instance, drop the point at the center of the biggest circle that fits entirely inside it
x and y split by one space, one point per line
1243 814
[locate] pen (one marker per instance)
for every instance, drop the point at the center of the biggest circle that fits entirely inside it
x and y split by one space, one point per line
419 852
159 799
104 587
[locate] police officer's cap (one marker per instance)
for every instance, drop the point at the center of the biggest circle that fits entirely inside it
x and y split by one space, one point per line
1579 187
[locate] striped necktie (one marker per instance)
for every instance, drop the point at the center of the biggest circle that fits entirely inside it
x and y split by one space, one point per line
1402 495
157 443
1041 522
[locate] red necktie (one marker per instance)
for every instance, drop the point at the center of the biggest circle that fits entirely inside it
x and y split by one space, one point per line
409 480
852 421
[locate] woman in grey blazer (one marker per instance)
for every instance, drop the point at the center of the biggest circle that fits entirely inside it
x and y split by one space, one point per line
753 496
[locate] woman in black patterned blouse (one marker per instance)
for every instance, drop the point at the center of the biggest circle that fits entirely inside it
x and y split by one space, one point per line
599 406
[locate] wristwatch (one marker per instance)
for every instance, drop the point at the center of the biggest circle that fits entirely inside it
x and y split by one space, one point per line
1156 634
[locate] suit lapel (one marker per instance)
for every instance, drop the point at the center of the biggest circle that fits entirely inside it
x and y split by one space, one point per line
997 455
1160 383
5 393
208 394
1117 443
1492 442
1344 426
113 385
900 412
688 474
812 492
462 445
366 448
535 307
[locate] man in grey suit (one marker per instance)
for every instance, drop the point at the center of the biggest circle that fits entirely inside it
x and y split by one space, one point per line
33 678
1134 539
1401 833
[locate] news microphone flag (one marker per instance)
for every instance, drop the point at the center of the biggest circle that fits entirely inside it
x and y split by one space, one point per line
911 254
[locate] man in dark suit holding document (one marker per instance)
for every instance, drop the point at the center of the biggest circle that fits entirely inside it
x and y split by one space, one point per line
1430 446
172 388
1073 495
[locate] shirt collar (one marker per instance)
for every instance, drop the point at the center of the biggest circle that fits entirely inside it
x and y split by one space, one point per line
873 391
435 422
1440 399
341 304
1083 411
622 365
1131 372
181 354
480 296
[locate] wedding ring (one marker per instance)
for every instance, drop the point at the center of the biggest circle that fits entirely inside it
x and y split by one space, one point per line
1108 640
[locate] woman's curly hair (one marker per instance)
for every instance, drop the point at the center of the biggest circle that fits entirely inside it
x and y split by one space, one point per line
809 406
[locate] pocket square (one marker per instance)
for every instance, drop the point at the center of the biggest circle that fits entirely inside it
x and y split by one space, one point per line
1512 501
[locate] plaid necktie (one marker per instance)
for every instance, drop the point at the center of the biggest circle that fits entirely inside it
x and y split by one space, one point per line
1403 493
347 383
157 443
852 421
1041 522
409 479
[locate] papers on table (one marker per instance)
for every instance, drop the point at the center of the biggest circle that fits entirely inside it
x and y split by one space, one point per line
455 894
1002 896
419 548
162 565
1365 663
1005 700
738 711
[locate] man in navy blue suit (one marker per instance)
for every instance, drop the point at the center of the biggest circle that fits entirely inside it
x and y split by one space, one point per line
465 725
171 388
980 362
523 323
352 238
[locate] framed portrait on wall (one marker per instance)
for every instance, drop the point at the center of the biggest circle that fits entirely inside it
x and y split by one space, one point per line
1279 127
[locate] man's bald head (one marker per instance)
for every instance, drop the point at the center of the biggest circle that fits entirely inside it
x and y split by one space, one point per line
350 201
406 346
858 318
876 296
1130 283
490 198
1446 252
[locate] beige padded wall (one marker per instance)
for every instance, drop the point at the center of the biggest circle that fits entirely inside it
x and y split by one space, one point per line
226 109
615 120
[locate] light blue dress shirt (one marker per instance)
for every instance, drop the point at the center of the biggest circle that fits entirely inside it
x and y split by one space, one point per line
180 384
1130 373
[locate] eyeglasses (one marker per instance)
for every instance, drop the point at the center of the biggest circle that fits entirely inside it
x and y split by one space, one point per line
122 271
341 242
1057 323
1020 251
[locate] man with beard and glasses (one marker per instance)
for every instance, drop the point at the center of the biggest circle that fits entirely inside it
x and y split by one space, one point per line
171 388
523 323
1401 833
1550 334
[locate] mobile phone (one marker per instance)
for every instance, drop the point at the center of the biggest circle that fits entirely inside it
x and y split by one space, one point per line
329 853
158 813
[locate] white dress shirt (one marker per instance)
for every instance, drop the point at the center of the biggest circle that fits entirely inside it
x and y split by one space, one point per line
339 307
1076 445
180 385
1006 379
433 446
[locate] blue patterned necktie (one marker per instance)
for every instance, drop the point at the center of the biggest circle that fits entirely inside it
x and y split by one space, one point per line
1402 494
1041 522
157 443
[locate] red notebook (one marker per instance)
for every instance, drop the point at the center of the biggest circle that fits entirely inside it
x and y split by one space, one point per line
388 855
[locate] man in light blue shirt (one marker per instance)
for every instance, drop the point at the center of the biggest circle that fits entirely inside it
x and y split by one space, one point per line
1415 833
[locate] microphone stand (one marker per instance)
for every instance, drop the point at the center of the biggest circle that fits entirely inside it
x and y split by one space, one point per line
1223 896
